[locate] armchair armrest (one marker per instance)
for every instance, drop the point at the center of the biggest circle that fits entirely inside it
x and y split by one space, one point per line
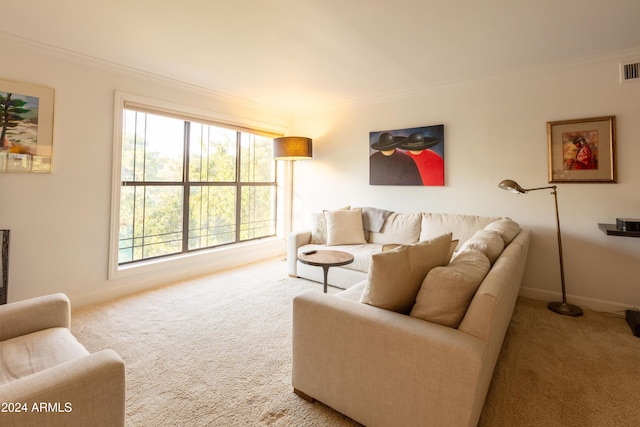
35 314
296 239
85 391
380 367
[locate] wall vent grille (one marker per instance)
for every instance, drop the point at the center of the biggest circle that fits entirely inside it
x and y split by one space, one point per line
630 72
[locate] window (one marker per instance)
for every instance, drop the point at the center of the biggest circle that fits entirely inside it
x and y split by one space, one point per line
188 184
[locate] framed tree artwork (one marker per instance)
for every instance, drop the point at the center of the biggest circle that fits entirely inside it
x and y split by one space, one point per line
26 127
582 150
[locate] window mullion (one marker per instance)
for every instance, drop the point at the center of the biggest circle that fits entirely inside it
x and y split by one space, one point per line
238 189
186 188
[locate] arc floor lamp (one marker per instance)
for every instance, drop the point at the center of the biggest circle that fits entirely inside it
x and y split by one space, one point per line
558 307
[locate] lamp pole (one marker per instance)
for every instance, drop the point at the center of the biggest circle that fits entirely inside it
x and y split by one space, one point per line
562 307
557 307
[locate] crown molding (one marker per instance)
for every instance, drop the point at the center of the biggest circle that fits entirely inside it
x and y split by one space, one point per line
68 55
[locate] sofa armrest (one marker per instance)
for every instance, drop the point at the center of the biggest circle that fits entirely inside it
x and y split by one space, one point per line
380 367
85 391
296 239
35 314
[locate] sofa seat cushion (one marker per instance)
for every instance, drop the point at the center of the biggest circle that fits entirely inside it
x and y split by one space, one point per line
399 228
395 276
446 292
361 254
35 352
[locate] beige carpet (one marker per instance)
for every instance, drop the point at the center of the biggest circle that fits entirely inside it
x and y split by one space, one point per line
215 351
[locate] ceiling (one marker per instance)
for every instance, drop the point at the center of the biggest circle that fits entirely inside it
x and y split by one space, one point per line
304 54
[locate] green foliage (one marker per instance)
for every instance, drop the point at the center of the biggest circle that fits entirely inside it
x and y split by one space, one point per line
151 216
11 113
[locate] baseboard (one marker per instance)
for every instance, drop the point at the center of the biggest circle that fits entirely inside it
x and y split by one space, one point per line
584 302
187 267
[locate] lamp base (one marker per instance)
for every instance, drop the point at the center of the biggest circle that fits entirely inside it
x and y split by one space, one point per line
564 308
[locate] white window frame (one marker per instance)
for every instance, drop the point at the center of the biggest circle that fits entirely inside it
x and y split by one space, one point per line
223 256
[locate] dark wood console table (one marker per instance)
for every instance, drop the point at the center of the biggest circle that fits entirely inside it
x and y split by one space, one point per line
613 230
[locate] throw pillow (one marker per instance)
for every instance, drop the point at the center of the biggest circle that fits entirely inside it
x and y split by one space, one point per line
344 227
506 228
488 242
446 292
319 227
452 249
395 276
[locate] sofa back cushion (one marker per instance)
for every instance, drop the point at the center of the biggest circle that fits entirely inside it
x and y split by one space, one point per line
400 228
462 226
488 242
506 228
492 305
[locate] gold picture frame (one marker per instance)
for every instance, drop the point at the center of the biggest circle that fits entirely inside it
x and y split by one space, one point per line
26 126
582 150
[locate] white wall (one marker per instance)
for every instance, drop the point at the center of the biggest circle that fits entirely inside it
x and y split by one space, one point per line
59 222
496 129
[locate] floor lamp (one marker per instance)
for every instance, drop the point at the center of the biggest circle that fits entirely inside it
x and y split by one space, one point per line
558 307
291 148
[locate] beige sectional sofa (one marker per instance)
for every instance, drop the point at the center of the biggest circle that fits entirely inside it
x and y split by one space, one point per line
430 365
397 228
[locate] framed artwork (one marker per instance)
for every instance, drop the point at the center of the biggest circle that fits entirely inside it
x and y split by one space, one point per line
412 156
582 150
26 133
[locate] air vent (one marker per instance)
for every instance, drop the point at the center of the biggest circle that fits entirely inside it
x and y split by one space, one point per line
630 72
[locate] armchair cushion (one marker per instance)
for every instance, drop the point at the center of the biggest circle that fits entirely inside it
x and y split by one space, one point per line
45 349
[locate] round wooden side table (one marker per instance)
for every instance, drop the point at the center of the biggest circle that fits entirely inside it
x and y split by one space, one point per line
326 260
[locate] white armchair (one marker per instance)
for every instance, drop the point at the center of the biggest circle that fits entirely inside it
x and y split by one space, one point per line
47 377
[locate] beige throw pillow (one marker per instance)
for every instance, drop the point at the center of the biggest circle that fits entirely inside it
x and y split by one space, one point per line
395 276
446 292
319 227
344 227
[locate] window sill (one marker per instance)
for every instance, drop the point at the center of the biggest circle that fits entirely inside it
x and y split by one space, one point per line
206 261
